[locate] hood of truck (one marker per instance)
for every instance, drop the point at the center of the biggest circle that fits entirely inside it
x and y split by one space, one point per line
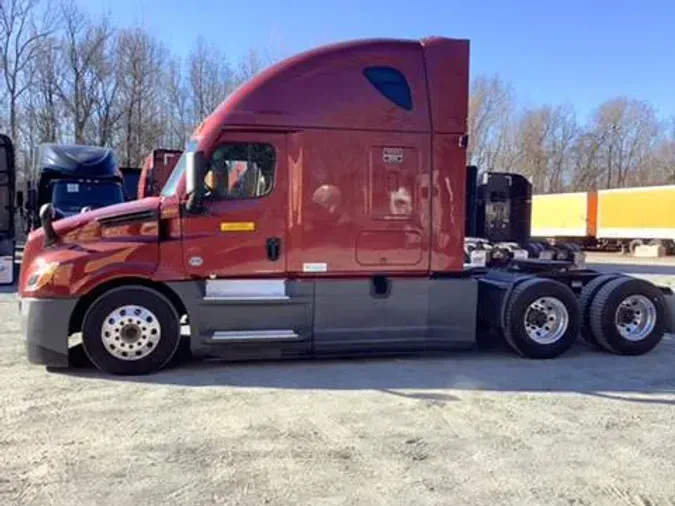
92 225
118 240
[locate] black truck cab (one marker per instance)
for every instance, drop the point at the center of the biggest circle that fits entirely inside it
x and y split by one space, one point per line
74 178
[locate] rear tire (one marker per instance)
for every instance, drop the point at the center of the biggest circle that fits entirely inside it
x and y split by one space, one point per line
131 330
586 297
542 319
628 316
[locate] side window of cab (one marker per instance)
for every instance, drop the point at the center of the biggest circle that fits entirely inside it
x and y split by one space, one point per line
240 170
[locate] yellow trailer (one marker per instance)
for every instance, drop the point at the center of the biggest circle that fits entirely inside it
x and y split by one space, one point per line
629 214
564 215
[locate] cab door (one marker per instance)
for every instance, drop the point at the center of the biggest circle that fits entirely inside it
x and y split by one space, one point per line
242 230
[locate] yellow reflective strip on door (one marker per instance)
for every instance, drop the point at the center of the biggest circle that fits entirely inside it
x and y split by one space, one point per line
242 226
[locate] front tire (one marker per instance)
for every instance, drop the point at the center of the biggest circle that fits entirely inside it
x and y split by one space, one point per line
131 330
542 318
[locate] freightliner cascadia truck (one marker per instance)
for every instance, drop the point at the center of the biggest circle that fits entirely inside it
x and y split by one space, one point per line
341 232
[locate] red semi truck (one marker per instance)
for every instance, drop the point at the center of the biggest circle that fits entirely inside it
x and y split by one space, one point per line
340 232
156 170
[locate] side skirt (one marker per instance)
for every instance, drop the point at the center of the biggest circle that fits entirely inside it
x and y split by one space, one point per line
275 319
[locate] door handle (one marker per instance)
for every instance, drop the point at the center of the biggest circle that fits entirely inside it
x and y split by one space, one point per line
273 248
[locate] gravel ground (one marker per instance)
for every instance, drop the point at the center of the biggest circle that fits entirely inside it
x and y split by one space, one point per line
657 270
479 428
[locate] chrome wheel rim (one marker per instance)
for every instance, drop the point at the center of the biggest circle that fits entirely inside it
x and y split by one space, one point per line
130 332
635 318
546 320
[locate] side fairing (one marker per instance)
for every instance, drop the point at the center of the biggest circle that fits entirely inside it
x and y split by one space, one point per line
447 66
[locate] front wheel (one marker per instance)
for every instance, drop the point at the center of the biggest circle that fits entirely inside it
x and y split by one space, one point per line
131 331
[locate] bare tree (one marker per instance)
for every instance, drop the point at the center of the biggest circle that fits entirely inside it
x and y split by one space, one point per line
107 111
545 139
533 135
250 66
624 143
211 79
564 132
141 82
45 104
21 36
626 131
665 154
491 134
84 54
178 98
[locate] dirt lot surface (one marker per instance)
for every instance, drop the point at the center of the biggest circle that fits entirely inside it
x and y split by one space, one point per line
619 258
657 270
478 428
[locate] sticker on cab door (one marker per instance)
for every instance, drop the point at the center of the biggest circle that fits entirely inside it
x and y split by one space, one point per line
314 267
392 155
241 226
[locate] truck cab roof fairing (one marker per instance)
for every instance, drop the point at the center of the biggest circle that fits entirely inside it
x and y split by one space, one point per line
78 160
447 66
327 88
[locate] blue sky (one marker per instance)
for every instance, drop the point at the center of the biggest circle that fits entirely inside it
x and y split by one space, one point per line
577 52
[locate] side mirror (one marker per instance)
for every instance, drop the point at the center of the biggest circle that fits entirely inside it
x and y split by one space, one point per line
194 180
47 215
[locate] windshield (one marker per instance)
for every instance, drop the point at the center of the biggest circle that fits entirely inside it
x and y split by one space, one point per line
171 184
72 196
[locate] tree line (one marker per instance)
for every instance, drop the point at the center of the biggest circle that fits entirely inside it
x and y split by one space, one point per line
623 143
69 77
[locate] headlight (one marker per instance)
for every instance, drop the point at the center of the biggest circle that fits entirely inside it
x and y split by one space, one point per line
41 276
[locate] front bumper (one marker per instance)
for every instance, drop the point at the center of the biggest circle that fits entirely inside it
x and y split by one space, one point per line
45 327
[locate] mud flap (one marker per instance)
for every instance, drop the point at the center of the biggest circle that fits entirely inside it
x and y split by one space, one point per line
670 306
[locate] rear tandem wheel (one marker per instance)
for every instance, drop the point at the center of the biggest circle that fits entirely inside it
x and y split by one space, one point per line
627 316
542 318
586 297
